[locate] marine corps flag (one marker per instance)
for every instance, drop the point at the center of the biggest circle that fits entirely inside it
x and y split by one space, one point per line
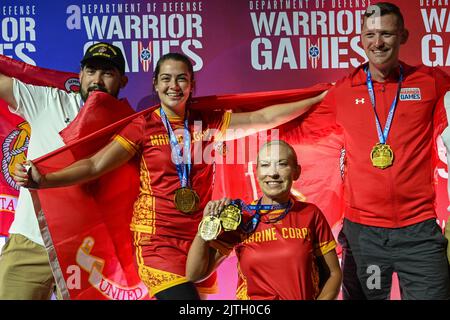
14 137
89 241
15 132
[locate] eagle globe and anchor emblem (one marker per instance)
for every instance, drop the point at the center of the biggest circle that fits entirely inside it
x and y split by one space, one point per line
14 148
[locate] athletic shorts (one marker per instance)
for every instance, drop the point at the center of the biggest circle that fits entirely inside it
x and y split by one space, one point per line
161 263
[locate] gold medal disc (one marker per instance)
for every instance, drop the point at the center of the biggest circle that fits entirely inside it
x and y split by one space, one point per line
382 156
209 228
230 217
186 200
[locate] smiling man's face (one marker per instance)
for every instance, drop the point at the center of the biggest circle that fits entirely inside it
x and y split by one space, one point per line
96 75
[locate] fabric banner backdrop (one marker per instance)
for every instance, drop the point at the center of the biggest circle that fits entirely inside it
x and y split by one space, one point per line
246 54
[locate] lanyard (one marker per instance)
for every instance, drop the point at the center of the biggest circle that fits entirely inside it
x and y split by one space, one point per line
183 168
383 134
251 225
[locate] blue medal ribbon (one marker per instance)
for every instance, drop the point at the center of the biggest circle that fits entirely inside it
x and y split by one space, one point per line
251 225
183 167
383 134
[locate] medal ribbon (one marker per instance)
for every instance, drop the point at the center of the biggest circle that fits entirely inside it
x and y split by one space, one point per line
183 168
251 225
383 134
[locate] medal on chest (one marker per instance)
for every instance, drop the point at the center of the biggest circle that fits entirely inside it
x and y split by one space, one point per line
185 199
382 155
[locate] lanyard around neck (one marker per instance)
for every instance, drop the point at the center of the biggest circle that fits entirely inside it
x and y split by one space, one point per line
383 134
178 155
256 217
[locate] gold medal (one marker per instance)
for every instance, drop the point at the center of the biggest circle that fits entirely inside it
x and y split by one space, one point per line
209 228
382 156
186 200
230 217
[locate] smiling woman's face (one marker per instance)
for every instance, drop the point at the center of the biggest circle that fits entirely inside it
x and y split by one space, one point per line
276 171
173 84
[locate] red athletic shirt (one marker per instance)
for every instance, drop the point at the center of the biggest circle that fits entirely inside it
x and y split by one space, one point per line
278 260
402 194
154 210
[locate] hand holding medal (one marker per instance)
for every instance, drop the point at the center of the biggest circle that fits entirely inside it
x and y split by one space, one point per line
227 215
211 225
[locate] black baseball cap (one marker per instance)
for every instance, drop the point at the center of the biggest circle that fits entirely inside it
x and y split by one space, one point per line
107 52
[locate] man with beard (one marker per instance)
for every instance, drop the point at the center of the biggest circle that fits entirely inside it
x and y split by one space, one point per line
25 271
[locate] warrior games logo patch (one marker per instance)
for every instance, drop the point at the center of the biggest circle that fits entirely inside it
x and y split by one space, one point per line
14 149
410 94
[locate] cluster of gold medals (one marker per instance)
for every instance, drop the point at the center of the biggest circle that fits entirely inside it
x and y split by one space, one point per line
228 220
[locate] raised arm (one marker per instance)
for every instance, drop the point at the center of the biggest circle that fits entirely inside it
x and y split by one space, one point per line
269 117
107 159
330 289
6 90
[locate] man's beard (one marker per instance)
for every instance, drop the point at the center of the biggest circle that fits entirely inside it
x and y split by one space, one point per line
95 87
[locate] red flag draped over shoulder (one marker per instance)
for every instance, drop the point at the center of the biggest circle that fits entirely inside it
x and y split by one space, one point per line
86 227
15 132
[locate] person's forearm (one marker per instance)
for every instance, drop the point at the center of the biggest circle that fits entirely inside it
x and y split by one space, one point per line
79 172
197 263
331 288
6 91
107 159
269 117
276 115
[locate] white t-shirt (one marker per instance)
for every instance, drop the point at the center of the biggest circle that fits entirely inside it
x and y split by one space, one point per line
48 111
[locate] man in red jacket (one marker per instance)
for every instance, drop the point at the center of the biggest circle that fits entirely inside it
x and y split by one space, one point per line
389 113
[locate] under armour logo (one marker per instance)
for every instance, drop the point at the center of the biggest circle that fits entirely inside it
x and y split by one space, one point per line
358 101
